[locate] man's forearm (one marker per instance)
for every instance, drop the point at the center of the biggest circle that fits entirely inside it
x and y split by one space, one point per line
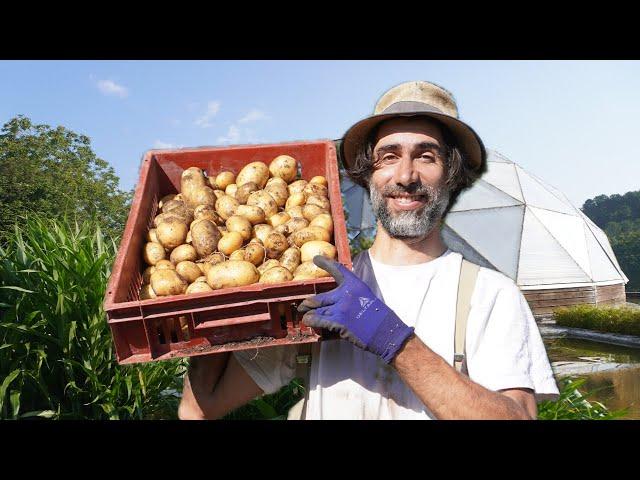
445 392
199 383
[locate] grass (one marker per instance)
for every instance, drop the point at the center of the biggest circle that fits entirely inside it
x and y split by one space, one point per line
624 320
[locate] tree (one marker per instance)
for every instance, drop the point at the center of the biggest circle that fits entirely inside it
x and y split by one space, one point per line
54 172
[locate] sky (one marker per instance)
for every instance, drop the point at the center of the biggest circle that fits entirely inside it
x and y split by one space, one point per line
571 123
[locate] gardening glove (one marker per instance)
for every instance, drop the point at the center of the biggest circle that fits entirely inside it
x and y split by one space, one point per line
356 313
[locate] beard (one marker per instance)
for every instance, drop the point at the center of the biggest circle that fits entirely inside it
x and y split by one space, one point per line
409 224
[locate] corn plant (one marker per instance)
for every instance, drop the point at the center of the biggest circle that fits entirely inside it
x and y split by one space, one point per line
56 350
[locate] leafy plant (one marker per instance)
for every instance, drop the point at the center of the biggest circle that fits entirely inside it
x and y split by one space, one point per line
623 320
56 349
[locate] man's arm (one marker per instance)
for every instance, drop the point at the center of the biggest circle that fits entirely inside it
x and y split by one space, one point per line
214 386
451 395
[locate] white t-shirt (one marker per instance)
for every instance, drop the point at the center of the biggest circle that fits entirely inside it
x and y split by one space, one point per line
503 345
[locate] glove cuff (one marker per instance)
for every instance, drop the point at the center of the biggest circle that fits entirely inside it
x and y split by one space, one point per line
390 336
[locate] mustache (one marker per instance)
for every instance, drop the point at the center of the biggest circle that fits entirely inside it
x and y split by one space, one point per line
413 189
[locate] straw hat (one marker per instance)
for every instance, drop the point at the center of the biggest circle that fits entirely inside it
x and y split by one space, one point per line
411 99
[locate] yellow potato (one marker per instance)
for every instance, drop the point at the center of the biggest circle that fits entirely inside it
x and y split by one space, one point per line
312 211
309 234
224 179
151 236
189 239
172 205
309 270
253 213
201 278
237 255
256 172
233 273
174 215
275 243
146 292
295 212
230 242
189 271
226 206
207 212
231 190
192 178
316 247
290 259
276 275
205 237
279 193
198 287
237 223
255 253
261 231
165 199
297 187
285 167
183 253
201 196
322 202
164 265
267 265
167 282
295 200
146 275
323 220
296 224
315 189
218 193
319 179
283 229
276 181
278 219
243 192
153 252
265 201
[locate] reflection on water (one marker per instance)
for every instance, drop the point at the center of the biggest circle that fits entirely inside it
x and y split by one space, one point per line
617 389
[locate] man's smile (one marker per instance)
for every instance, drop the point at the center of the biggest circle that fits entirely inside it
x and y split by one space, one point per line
405 201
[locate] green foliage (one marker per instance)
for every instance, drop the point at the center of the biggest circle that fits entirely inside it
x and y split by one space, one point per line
623 320
359 244
54 172
626 246
574 405
270 407
56 350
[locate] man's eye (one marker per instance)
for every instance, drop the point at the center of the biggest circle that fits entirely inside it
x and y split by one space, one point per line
427 157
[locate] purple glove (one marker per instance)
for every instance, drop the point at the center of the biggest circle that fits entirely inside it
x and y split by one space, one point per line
353 310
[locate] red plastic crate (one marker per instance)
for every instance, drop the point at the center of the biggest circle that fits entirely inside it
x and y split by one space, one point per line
254 316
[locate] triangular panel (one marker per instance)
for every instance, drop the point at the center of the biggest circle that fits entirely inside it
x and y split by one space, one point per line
543 261
604 242
535 195
503 176
494 233
601 265
493 156
483 195
458 244
569 232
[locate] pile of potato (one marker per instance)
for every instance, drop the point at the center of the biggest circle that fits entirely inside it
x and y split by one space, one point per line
263 225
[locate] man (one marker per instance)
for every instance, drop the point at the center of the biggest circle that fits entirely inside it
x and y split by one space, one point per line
397 312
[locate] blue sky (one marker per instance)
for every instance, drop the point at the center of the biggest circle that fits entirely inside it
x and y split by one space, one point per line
572 123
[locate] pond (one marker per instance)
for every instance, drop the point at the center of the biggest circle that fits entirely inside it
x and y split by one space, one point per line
617 388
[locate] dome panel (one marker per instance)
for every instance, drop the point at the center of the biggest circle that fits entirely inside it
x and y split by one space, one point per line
483 195
503 176
536 195
601 265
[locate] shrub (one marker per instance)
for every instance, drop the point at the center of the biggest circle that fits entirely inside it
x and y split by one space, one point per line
623 320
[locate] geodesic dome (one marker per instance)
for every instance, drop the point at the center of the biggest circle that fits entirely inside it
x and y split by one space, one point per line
514 222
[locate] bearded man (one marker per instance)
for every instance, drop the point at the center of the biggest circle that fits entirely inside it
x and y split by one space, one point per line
424 333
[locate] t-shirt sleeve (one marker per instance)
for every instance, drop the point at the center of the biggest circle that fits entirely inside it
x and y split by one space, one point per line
271 368
509 352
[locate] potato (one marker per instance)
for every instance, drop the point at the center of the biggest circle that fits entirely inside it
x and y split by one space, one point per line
267 265
295 212
290 259
167 282
205 237
223 230
151 236
322 202
201 196
146 275
172 233
172 205
323 220
230 242
243 192
253 213
226 206
295 200
237 255
278 219
201 278
179 197
224 179
265 201
296 224
283 229
315 189
317 247
153 252
237 223
164 265
165 217
231 190
198 287
183 253
256 172
165 199
284 167
234 273
261 231
275 243
297 187
312 211
188 271
319 179
276 275
276 181
279 193
309 270
207 212
192 178
255 253
214 258
218 193
309 234
146 292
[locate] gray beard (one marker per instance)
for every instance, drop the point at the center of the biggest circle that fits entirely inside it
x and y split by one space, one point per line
410 223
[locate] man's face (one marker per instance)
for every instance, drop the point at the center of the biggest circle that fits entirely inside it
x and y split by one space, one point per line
407 186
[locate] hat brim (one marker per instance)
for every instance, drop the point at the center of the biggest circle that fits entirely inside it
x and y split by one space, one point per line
467 140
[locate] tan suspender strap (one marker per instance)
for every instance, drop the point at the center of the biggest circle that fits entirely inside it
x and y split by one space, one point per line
468 274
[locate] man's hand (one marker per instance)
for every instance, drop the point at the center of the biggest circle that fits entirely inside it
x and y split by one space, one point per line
356 313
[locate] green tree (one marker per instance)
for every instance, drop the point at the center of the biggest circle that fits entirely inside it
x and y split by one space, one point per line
55 173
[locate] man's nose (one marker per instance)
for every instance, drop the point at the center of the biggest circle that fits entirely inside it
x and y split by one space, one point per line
405 173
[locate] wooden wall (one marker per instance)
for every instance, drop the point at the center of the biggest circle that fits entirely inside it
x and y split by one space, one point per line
543 302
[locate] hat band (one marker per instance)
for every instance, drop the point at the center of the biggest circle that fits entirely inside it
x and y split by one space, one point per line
411 107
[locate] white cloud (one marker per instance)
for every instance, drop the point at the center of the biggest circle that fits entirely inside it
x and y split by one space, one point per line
109 87
253 116
162 145
233 135
212 109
